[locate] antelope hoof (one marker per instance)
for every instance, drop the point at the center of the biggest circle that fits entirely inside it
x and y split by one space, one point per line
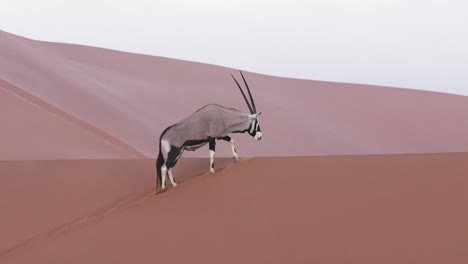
212 170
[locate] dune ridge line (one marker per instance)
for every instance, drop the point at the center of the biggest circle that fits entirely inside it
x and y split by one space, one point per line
105 137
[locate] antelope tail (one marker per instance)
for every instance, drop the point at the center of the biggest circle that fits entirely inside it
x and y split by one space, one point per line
159 164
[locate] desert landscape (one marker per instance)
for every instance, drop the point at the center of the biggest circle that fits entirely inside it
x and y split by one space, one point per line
345 173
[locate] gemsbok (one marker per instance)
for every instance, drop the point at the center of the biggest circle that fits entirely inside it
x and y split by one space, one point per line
208 124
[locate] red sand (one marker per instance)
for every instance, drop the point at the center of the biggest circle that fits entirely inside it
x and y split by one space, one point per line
337 209
85 102
40 195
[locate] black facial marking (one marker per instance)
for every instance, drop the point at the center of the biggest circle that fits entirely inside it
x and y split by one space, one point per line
241 131
246 130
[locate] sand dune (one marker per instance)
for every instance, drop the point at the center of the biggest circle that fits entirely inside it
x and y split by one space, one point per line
85 102
337 209
79 131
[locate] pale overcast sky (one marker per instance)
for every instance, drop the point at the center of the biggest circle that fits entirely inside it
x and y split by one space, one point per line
419 44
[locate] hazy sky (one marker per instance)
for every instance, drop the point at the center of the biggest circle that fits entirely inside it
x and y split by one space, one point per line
420 44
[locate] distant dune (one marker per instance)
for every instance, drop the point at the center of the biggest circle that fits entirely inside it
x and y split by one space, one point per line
336 209
62 101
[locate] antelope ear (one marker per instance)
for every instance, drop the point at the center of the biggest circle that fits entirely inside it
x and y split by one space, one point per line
254 116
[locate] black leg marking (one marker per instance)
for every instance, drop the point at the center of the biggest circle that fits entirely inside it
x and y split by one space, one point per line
226 138
234 151
172 158
212 145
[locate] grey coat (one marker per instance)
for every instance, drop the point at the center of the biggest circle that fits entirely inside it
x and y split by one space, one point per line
210 121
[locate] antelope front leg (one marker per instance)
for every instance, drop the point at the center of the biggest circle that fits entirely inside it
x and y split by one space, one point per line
233 147
234 152
212 144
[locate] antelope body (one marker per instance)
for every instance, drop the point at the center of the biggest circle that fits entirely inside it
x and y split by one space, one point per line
208 124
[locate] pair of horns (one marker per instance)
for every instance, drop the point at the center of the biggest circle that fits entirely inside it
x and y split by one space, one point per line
252 107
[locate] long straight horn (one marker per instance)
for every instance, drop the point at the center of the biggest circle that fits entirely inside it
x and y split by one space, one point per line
243 94
250 95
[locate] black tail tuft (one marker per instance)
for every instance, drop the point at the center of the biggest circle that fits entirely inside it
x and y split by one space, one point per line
159 164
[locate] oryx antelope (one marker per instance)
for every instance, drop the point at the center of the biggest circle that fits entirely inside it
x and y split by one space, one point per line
208 124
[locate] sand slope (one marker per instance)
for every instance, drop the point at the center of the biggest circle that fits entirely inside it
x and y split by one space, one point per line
341 209
32 129
40 195
96 103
